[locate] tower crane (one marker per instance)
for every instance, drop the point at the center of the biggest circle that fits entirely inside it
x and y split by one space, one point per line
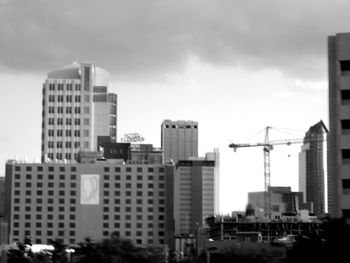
267 148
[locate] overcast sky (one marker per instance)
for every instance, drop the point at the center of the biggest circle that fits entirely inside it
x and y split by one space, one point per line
234 66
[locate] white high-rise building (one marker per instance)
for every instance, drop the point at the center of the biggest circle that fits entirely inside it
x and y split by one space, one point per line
77 110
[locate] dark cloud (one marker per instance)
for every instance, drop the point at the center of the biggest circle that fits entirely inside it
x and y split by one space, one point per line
147 38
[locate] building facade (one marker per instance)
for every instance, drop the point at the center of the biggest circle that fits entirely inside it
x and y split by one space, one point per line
339 125
77 109
311 167
194 199
179 140
72 201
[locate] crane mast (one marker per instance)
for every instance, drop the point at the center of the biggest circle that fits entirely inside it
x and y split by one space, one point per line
267 148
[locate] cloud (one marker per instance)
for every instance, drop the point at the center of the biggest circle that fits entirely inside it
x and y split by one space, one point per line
138 39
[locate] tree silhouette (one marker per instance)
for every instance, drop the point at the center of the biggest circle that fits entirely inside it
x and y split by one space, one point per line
331 245
20 254
112 250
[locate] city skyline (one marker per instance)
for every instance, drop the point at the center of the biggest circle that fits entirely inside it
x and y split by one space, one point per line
233 67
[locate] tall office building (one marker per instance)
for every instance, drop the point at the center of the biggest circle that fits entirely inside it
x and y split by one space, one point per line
311 167
77 109
339 125
179 140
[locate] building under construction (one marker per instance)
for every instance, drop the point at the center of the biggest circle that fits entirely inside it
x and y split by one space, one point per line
228 228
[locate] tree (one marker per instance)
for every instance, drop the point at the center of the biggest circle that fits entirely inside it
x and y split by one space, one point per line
331 245
59 254
19 254
112 250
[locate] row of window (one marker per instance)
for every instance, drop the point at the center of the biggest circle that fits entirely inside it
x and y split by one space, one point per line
181 126
49 168
106 169
138 225
39 216
61 110
40 184
40 192
40 209
131 169
115 217
68 98
59 133
27 233
106 178
60 144
67 156
39 225
138 185
68 121
60 86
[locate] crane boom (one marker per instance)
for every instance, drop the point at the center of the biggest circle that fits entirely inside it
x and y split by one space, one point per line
270 144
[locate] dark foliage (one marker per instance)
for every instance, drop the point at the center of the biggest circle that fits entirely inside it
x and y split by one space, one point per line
21 254
114 250
59 254
330 246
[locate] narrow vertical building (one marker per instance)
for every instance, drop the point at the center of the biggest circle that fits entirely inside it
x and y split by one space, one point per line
179 140
311 167
77 109
339 125
194 195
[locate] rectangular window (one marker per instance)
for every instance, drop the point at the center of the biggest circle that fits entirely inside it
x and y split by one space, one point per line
77 110
68 121
345 125
345 65
86 78
59 121
112 132
86 121
77 98
51 121
346 156
346 186
112 110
